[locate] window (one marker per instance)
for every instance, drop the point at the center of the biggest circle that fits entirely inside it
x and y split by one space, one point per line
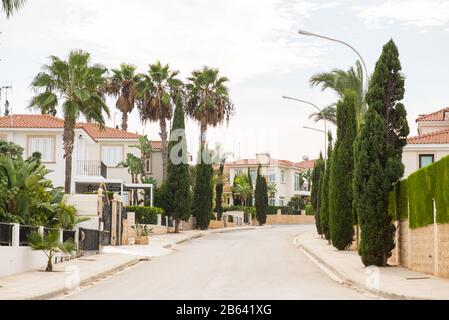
272 201
298 179
252 173
283 176
111 155
271 175
148 165
45 145
425 160
281 201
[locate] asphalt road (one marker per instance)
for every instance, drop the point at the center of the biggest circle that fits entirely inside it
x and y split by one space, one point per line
252 264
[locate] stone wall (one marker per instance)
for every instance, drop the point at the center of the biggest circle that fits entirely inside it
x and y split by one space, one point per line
214 224
424 249
288 219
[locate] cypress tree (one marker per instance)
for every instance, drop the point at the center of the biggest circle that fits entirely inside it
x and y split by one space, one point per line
203 193
177 186
324 194
341 174
378 162
219 191
315 192
261 198
249 202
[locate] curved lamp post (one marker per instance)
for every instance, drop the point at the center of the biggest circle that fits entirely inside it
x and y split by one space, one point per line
307 33
324 120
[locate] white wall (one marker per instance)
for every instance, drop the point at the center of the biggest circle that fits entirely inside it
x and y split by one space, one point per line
15 260
410 155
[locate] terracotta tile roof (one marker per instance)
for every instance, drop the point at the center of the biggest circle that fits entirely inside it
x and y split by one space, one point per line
95 132
287 163
43 121
438 137
40 121
435 116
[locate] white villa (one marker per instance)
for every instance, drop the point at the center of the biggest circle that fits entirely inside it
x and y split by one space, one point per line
430 145
95 156
284 173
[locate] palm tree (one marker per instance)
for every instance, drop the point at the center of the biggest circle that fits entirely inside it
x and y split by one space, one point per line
208 100
11 6
244 190
156 93
50 244
272 189
122 85
134 166
76 85
307 175
340 80
145 152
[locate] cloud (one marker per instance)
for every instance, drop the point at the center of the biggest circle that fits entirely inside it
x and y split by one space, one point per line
243 38
419 13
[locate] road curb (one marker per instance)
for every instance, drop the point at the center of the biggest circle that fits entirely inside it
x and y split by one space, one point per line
56 292
357 284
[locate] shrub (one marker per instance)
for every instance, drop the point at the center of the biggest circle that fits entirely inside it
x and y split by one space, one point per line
145 215
309 210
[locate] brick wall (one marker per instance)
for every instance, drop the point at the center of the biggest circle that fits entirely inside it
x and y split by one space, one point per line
422 249
443 250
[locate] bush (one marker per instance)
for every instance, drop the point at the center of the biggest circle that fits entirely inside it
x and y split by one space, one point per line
145 215
274 210
309 210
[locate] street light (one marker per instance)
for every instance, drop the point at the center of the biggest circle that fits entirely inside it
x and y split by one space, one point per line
307 33
324 120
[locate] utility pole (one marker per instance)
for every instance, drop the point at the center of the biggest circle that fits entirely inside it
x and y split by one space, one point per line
5 89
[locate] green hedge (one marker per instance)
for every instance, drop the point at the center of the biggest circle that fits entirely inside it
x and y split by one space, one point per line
421 188
145 215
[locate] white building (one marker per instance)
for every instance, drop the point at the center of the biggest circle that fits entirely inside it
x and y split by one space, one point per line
430 145
284 173
96 151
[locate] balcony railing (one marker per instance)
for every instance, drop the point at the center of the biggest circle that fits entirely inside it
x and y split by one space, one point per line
91 168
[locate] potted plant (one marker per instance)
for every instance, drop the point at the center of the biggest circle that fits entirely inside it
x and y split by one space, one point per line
142 233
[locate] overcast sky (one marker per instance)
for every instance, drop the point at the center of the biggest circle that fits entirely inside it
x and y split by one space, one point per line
253 42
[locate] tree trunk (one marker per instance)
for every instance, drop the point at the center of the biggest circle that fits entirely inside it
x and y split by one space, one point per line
69 139
163 134
124 121
49 265
176 219
203 129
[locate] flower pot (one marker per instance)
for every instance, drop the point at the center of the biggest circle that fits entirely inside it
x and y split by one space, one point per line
142 240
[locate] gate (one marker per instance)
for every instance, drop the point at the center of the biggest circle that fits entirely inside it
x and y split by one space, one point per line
89 240
106 218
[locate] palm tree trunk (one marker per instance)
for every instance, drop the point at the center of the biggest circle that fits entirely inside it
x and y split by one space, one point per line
124 121
163 134
49 265
69 140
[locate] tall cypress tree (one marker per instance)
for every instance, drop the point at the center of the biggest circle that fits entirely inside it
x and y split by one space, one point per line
177 186
249 202
324 194
203 193
261 198
341 174
378 162
317 172
219 191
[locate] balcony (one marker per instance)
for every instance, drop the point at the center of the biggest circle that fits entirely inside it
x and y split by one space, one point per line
91 168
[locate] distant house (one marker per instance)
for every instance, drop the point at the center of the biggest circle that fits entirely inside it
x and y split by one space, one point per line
284 173
430 145
96 151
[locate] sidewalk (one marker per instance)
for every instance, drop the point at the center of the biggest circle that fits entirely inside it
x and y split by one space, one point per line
390 282
37 284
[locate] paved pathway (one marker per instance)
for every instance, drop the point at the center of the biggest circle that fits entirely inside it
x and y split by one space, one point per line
247 264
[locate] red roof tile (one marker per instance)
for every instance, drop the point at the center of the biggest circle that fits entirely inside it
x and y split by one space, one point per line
435 116
287 163
438 137
43 121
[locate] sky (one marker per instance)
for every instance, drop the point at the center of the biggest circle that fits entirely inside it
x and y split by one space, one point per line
253 42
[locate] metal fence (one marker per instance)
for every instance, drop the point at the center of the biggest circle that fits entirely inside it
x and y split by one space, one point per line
5 234
24 234
68 235
89 240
